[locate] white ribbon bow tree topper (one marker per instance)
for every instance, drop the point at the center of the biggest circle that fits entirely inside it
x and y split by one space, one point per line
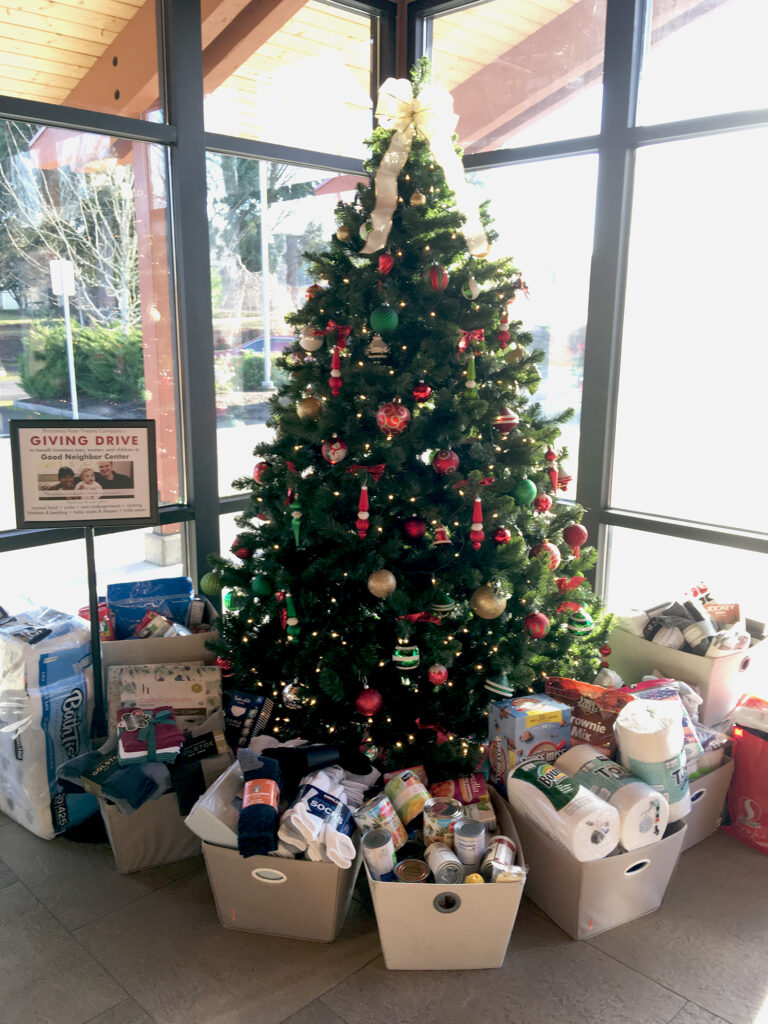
431 114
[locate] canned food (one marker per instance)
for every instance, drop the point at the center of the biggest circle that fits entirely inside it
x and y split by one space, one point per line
411 871
499 857
445 866
440 816
379 854
474 879
470 841
408 795
379 813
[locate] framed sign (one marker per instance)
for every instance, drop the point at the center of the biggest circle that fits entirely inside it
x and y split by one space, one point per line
84 472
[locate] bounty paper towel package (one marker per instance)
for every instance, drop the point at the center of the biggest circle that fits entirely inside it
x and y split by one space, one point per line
46 702
536 727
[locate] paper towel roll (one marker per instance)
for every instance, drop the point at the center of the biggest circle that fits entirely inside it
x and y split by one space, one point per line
581 822
651 745
643 810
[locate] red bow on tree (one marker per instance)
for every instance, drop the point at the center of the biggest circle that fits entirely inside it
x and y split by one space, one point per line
442 737
342 332
564 585
376 472
485 482
422 617
471 337
569 606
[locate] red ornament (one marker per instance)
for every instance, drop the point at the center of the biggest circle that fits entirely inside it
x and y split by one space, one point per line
335 382
575 536
313 291
393 417
537 625
564 481
240 550
551 457
476 535
259 470
605 650
445 461
553 555
415 528
369 701
386 262
362 523
503 337
436 277
335 450
506 421
437 674
542 503
502 535
225 665
421 391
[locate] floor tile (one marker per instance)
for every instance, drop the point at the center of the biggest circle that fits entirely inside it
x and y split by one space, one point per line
4 819
707 941
721 845
7 877
172 956
546 977
47 977
78 882
127 1012
316 1013
693 1014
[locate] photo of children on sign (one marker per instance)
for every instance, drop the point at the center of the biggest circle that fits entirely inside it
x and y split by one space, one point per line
88 471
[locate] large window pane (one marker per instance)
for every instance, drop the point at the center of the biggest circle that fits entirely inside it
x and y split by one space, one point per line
99 204
544 214
706 57
691 436
521 72
91 54
301 81
645 569
289 211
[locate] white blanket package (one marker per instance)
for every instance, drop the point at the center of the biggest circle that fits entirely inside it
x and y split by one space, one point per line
46 704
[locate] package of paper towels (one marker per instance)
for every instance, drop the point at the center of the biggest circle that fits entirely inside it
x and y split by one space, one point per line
643 810
46 703
586 826
652 746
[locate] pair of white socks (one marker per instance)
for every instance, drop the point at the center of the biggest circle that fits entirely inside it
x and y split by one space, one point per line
311 824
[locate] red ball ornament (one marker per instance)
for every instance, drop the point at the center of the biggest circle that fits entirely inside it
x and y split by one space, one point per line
224 664
386 262
437 674
415 528
537 625
369 701
259 470
421 391
445 461
542 503
506 421
313 291
605 650
239 549
393 418
502 535
503 337
575 536
553 555
436 277
334 450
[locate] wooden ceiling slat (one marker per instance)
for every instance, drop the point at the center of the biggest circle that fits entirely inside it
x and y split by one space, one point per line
95 34
70 59
25 74
33 64
84 12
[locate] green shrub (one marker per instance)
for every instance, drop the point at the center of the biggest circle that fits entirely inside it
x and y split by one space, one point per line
109 363
253 372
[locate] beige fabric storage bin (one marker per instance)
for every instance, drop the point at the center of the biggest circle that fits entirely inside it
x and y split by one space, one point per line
708 795
297 899
155 834
585 899
429 927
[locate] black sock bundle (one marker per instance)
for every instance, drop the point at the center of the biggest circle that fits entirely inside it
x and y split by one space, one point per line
257 824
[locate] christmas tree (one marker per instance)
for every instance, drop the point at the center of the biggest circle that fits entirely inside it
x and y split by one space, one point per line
404 558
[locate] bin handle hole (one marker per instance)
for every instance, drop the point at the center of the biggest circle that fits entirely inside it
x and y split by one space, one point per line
637 868
744 664
447 902
697 795
269 875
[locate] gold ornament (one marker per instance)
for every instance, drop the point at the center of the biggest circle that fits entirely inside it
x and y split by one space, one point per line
381 583
309 408
343 233
487 603
418 199
516 354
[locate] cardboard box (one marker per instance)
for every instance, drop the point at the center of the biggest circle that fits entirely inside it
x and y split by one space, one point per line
708 796
159 650
585 899
428 927
526 728
154 834
298 899
720 681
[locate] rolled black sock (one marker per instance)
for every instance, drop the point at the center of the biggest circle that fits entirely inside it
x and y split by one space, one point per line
257 824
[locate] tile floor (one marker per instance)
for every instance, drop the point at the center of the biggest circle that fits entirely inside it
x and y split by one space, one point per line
81 944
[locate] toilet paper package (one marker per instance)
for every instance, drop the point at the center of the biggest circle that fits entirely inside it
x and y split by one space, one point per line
652 746
643 810
46 704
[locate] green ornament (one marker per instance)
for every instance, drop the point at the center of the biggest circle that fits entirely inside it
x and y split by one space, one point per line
442 601
295 508
210 584
233 601
293 629
524 491
384 319
260 586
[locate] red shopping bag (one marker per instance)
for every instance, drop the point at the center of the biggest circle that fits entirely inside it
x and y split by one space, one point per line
748 792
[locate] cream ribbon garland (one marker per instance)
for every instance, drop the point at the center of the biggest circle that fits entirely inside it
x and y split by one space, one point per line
431 115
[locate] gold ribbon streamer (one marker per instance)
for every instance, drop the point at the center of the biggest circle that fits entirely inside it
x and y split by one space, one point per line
431 114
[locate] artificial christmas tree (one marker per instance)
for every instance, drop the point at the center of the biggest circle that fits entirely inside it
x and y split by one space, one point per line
404 558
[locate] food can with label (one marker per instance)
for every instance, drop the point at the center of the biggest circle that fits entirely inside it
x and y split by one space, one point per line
379 813
499 857
445 866
411 870
379 854
470 841
408 795
440 816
